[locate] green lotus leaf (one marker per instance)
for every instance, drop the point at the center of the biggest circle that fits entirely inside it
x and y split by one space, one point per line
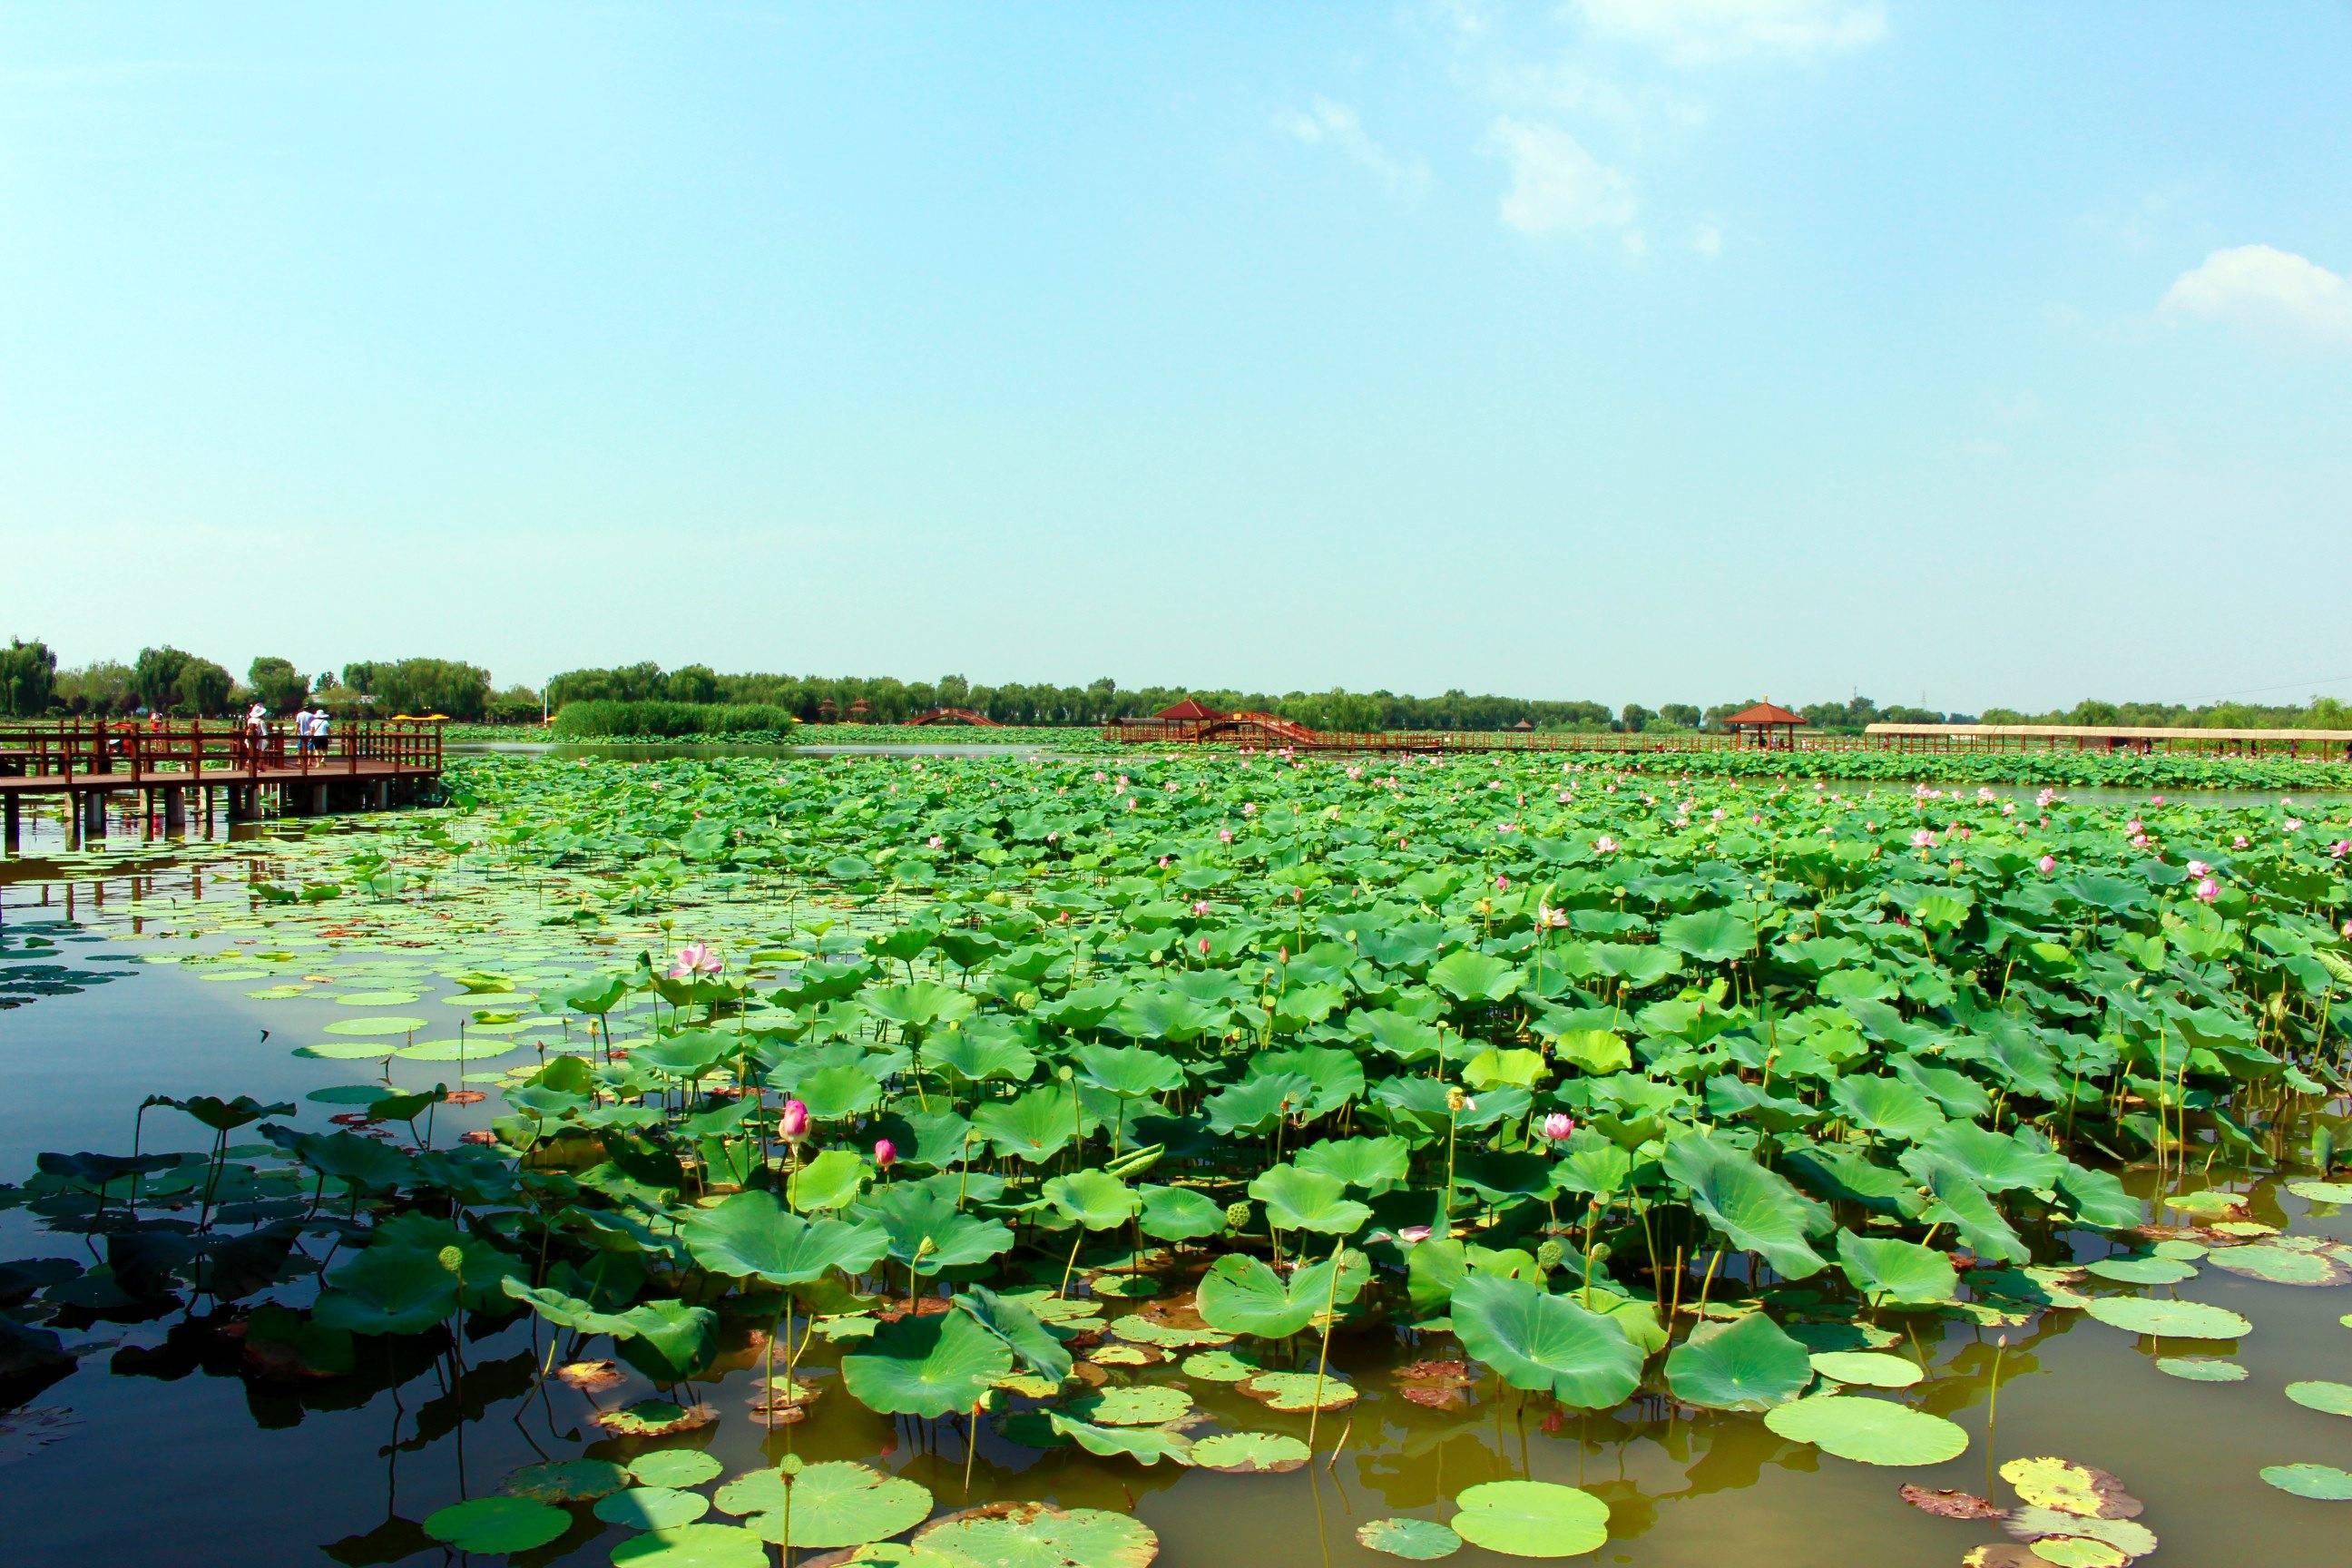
1748 1363
1178 1214
831 1181
674 1468
1018 1327
2201 1369
1250 1453
2280 1264
831 1503
1094 1200
372 1028
1711 936
1417 1540
751 1236
1867 1369
1901 1273
1531 1519
566 1480
1756 1209
2170 1320
1145 1444
1309 1200
927 1233
1469 976
927 1366
497 1524
1131 1072
2142 1270
1241 1295
1300 1391
1031 1128
1039 1535
1138 1405
2330 1398
1544 1343
1868 1431
2321 1483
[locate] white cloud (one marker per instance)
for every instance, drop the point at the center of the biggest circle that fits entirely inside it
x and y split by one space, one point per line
1708 240
1557 186
2262 287
1710 32
1330 124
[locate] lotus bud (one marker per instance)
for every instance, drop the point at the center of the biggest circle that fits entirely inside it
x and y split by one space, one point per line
886 1153
1548 1255
795 1120
1455 1101
1237 1215
1557 1127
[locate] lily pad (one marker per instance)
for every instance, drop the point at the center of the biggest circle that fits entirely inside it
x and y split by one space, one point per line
1531 1519
834 1503
2321 1483
497 1524
2201 1369
2170 1320
566 1480
1417 1540
694 1546
674 1468
1868 1431
2328 1398
1298 1391
1250 1453
1039 1535
1867 1369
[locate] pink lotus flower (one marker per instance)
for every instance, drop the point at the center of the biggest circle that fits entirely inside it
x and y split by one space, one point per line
2340 848
2238 842
1205 947
2046 865
1413 1232
1224 835
1923 839
934 841
2208 890
1557 1127
694 958
1200 908
1502 883
2199 868
886 1153
2140 840
795 1120
1604 845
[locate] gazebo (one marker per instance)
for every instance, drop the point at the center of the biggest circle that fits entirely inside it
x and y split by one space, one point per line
1772 727
1188 711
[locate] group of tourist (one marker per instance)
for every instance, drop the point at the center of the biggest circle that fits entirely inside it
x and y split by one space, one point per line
311 726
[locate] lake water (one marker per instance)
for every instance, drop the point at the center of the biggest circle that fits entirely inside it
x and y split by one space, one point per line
164 1447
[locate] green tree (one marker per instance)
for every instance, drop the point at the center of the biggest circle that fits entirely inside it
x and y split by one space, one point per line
1681 715
280 687
103 687
28 678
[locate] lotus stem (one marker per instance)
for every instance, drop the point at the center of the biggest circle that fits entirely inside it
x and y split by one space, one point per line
1323 1360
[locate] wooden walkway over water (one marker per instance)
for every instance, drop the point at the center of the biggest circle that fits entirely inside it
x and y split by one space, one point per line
181 769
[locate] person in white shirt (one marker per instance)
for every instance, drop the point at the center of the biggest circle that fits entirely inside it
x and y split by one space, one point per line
257 731
319 722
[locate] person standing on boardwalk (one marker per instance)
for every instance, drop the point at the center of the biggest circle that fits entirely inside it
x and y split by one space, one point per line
319 719
257 730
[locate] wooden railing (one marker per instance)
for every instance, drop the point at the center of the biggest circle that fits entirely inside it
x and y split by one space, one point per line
133 752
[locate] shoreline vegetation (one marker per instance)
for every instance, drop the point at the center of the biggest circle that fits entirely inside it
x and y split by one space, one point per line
34 685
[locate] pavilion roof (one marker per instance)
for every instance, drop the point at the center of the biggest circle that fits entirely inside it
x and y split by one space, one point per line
1189 709
1767 712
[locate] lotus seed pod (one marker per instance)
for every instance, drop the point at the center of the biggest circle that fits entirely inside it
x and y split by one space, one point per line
1237 1216
1548 1255
452 1258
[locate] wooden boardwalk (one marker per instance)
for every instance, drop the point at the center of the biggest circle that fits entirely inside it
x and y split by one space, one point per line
175 768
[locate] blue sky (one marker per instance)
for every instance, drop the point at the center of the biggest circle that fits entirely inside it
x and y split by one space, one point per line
1655 349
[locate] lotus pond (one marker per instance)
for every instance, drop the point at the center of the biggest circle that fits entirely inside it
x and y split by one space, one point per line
1015 1161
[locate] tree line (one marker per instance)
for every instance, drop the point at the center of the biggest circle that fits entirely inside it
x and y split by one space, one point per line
182 684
